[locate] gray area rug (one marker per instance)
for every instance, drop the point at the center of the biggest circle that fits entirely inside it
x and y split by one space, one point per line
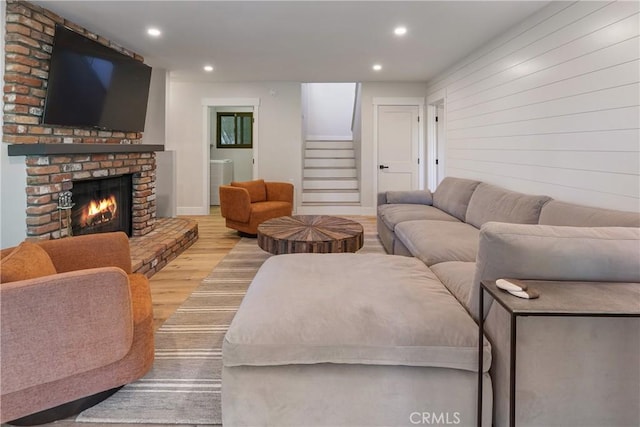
184 385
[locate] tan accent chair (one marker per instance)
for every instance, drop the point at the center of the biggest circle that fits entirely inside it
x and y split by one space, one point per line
245 205
75 323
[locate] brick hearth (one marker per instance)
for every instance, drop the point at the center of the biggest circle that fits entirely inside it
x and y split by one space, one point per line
150 253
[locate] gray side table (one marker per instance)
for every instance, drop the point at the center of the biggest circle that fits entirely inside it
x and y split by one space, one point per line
574 299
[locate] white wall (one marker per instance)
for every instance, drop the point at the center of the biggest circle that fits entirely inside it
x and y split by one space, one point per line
552 106
329 110
13 177
242 157
155 123
279 129
371 90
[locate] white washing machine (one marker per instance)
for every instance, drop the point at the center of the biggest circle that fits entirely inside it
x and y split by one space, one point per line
221 172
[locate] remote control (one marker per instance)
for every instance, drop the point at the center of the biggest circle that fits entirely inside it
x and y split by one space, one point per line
528 294
511 285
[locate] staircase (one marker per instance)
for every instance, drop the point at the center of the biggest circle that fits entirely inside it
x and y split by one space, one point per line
330 176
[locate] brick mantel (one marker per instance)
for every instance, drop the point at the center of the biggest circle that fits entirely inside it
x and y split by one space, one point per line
46 149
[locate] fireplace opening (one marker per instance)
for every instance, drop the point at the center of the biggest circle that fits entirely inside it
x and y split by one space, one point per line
102 205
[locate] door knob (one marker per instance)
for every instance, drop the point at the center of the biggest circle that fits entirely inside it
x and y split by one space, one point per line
384 167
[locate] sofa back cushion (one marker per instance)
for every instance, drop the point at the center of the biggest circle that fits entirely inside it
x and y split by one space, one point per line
545 252
453 195
562 213
257 189
492 203
27 261
419 197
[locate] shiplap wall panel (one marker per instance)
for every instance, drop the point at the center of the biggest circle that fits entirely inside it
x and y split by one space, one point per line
499 46
601 39
593 100
621 185
602 79
552 106
559 188
600 141
589 161
563 73
618 118
558 32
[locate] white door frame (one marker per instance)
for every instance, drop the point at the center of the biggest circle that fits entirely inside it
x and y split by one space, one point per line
225 102
419 102
439 97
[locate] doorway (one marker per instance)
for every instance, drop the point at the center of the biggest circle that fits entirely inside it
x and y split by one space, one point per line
440 142
436 139
244 158
398 141
398 147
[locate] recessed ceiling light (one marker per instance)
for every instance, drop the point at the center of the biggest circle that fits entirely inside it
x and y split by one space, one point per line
154 32
377 67
208 68
400 31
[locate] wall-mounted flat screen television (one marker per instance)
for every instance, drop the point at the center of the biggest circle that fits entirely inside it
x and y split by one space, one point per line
91 85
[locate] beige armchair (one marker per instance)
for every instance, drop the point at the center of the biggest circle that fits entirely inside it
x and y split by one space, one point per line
75 325
245 205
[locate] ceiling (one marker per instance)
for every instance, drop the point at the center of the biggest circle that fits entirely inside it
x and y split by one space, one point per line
306 41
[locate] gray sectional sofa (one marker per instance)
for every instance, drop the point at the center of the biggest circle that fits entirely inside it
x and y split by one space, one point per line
383 340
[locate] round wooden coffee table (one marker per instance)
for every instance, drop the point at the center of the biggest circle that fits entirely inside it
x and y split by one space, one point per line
310 234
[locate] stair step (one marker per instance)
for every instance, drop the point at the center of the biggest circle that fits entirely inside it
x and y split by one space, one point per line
330 184
331 196
330 173
330 145
329 153
330 163
331 204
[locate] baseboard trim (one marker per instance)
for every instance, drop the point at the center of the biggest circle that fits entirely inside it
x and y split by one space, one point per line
335 210
329 138
192 210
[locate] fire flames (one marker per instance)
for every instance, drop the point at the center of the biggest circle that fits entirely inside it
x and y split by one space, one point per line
100 211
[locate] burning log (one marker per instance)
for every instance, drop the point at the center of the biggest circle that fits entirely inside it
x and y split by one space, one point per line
102 211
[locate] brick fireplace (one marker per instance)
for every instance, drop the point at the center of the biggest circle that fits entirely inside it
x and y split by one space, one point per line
58 157
28 45
49 175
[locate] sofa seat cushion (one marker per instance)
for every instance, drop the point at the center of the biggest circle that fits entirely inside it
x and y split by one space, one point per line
350 309
433 242
262 211
457 276
394 214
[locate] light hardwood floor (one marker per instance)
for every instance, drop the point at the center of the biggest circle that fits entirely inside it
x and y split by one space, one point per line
171 286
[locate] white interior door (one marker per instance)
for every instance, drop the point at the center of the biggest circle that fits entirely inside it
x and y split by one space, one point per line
398 147
440 143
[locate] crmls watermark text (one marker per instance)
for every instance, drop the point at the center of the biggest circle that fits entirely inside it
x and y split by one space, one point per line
435 418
